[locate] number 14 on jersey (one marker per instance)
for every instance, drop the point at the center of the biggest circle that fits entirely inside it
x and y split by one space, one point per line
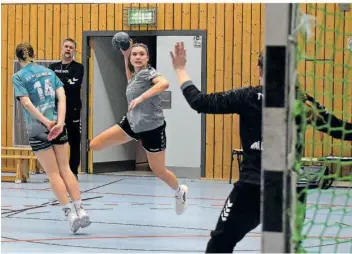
48 89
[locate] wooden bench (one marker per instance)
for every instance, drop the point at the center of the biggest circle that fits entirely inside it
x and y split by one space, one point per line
33 167
21 170
23 163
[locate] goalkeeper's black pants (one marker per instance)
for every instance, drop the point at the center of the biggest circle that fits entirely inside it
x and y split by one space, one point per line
240 215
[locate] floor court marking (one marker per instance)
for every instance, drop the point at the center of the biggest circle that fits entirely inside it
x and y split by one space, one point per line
121 224
120 249
54 201
146 237
161 196
252 234
103 237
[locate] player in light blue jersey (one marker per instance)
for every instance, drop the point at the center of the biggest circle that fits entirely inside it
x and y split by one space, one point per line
43 97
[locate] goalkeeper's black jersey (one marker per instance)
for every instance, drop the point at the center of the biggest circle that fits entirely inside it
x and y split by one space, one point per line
247 103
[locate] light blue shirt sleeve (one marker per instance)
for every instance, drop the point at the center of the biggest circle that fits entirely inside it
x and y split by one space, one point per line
19 87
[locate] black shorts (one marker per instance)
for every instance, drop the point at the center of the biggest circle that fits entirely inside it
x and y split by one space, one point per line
41 142
153 141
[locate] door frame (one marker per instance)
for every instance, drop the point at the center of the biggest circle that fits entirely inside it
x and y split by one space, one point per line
86 54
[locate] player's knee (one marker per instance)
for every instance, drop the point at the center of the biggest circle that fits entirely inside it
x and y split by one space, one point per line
94 145
52 173
65 171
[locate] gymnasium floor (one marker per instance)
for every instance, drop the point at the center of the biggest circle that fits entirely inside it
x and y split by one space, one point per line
135 213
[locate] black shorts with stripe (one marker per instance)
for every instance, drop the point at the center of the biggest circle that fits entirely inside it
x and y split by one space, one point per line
41 142
153 141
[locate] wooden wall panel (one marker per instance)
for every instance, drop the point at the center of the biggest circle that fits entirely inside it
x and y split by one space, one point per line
63 22
255 43
219 87
237 78
169 16
210 123
8 118
56 31
110 17
102 17
235 36
71 24
48 51
87 17
177 16
78 30
228 63
5 85
40 53
94 18
194 16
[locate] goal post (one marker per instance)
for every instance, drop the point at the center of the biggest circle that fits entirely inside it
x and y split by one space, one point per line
278 130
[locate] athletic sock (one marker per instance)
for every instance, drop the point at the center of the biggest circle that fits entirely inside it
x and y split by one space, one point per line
77 204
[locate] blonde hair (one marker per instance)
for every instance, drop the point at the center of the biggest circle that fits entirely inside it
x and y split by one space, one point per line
24 51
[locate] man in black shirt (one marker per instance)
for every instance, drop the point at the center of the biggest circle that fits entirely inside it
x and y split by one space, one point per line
241 212
71 73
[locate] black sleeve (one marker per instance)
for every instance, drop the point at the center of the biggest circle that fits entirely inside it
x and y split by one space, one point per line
330 124
229 102
51 67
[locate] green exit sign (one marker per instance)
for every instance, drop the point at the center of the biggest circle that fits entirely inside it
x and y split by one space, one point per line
141 16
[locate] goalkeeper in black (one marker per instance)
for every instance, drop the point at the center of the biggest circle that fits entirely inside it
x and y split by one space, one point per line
241 212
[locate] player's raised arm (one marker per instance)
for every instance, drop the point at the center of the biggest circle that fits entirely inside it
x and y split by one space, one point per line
228 102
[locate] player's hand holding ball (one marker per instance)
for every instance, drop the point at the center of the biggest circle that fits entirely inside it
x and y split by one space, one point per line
122 41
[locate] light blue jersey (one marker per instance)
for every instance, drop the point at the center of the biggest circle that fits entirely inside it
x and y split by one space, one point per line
39 84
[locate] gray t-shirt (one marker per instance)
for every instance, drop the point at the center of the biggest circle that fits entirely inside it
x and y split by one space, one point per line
147 115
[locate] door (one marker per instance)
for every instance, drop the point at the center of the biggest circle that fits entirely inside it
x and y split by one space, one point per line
110 105
184 125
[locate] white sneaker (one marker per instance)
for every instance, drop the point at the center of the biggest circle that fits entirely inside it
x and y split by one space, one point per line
73 220
181 199
84 218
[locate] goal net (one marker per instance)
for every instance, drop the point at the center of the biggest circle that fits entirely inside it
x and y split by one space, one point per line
323 69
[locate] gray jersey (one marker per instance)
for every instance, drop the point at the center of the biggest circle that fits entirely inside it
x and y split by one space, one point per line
147 115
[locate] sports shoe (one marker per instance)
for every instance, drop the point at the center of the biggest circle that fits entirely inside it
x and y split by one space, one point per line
83 217
181 199
73 220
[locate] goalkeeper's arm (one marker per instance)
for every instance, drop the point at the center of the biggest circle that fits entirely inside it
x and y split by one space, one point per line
328 123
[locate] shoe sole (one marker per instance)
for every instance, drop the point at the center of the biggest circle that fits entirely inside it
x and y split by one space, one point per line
85 222
75 225
184 209
185 204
